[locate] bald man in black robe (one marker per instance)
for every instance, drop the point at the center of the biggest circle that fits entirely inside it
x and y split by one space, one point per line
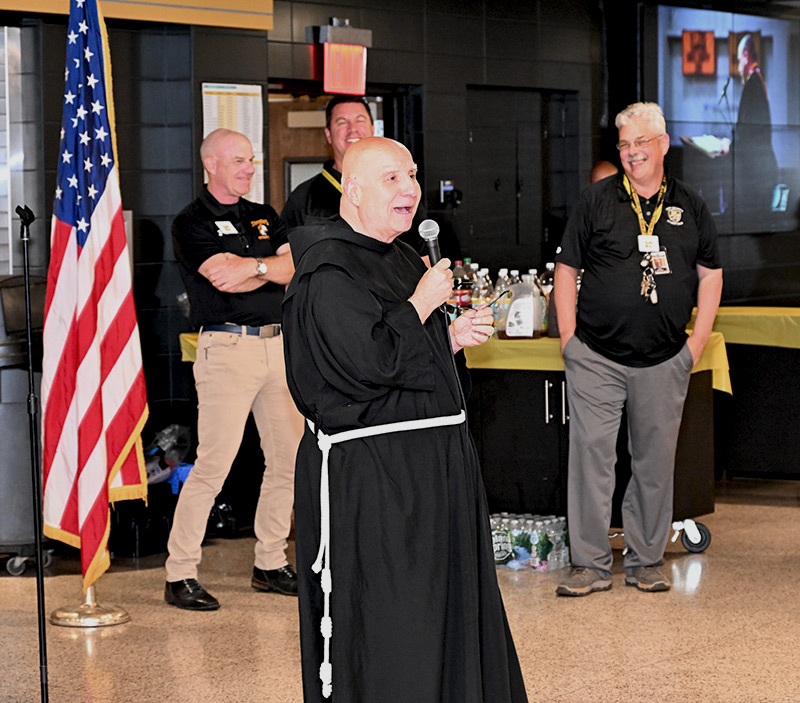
414 611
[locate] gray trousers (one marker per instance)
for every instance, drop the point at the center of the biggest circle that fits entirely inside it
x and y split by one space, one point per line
597 390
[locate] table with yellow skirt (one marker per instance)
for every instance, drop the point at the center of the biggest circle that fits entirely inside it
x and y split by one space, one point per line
545 355
519 418
754 423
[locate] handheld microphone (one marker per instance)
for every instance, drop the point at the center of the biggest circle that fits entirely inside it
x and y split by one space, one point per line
429 231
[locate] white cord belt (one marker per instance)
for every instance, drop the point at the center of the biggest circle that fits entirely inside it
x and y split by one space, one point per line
323 561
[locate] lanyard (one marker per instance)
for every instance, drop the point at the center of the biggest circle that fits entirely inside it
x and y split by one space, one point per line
332 179
644 228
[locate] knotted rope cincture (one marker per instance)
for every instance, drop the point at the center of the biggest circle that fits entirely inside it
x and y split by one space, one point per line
322 564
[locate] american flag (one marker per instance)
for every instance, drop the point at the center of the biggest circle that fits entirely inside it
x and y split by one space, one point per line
93 391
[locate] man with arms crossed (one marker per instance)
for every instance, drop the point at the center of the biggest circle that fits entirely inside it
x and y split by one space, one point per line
235 262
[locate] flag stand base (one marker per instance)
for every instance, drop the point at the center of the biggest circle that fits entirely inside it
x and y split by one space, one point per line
89 614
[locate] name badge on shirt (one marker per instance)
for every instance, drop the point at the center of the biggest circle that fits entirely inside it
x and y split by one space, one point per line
660 262
647 243
225 227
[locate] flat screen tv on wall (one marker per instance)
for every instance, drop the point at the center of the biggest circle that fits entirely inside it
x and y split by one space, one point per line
729 85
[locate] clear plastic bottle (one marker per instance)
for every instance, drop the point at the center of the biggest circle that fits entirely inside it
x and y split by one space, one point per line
546 282
480 290
547 278
501 539
500 309
458 277
513 275
522 319
486 277
520 545
563 541
545 545
465 286
530 528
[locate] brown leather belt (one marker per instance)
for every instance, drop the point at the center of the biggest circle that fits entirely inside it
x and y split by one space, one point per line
265 331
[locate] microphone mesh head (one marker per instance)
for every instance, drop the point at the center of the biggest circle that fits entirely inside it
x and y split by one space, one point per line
428 229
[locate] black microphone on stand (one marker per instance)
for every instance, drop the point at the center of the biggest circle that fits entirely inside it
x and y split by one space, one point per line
429 231
724 91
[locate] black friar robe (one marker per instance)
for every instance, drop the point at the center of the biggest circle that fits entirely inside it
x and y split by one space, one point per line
416 608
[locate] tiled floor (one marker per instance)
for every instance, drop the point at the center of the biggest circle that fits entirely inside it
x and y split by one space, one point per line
727 632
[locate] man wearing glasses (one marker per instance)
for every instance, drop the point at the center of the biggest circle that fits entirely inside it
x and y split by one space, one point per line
647 245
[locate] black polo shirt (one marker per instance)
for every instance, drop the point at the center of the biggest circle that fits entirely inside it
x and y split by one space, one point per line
314 198
614 319
198 233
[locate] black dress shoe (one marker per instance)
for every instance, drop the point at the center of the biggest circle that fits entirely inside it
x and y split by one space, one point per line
189 595
282 580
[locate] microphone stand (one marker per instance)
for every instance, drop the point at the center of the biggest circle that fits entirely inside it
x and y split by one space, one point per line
26 218
727 116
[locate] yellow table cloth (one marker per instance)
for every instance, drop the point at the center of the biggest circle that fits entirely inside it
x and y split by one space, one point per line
770 327
539 355
545 355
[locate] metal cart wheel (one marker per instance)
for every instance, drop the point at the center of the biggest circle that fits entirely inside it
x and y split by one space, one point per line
697 546
16 565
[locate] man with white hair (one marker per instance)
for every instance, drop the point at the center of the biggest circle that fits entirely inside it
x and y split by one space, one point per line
647 245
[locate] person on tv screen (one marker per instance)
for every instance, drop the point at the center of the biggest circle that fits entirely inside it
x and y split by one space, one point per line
755 165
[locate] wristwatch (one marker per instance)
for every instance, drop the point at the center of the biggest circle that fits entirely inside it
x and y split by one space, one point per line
261 267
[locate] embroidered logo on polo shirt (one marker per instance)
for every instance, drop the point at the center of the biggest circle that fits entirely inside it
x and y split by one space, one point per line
263 225
675 215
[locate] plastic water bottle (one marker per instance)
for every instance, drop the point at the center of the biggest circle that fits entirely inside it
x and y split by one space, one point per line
520 545
561 533
458 275
501 539
465 286
480 289
548 278
486 277
501 308
533 533
546 282
523 317
544 545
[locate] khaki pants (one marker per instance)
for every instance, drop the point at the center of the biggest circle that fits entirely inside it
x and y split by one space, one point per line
234 375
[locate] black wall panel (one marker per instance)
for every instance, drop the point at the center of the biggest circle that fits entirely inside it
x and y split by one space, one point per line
440 46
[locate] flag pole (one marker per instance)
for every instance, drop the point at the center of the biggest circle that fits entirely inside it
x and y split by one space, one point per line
89 614
94 400
26 218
